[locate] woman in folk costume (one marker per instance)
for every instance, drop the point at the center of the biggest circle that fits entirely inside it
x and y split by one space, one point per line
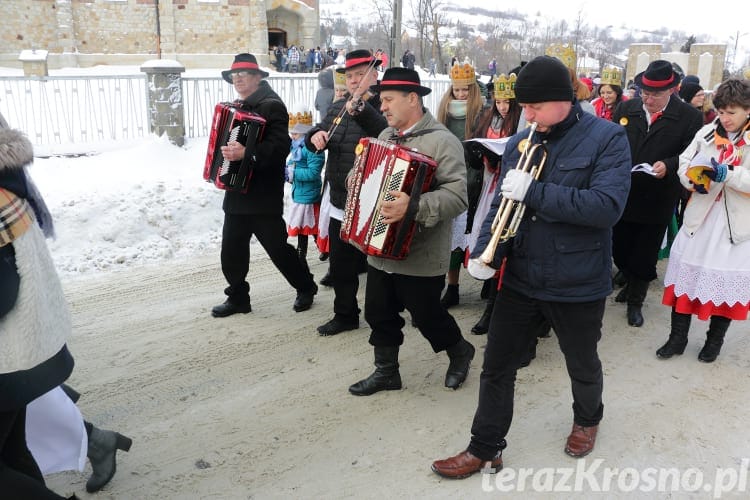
459 111
497 122
34 320
708 274
34 324
303 172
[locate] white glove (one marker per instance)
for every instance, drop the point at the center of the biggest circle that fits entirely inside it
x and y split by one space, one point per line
515 184
480 270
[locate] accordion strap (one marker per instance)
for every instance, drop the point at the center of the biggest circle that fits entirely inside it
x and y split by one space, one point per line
396 138
411 209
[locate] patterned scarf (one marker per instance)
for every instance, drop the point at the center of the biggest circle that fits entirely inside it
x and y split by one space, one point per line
730 153
15 217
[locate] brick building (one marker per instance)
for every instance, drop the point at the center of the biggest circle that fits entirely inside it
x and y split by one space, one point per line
197 33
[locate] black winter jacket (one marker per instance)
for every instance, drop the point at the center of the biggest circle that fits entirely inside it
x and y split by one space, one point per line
266 192
563 249
369 123
652 200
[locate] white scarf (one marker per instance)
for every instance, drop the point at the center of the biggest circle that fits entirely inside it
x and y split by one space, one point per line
457 109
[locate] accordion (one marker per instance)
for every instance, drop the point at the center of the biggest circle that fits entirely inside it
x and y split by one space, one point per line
232 124
381 167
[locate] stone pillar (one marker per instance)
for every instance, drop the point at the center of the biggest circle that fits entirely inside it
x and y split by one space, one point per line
166 109
34 63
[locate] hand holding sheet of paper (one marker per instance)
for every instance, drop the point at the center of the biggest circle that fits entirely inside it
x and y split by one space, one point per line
658 169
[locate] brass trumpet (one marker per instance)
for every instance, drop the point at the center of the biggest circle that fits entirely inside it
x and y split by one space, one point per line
510 212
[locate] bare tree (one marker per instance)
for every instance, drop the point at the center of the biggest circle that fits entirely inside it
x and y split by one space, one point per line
688 43
427 17
384 17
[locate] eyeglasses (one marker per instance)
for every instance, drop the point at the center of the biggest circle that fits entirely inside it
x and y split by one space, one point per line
645 94
240 74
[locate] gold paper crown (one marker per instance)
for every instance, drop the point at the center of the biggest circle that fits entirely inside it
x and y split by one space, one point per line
564 52
339 79
463 74
301 118
611 76
505 86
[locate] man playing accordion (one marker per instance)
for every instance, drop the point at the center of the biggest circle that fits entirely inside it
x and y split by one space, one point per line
259 211
415 283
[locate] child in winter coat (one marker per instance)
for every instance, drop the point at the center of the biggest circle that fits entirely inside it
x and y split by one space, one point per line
303 172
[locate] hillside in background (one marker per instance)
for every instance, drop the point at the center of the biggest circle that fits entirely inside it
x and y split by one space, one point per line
478 33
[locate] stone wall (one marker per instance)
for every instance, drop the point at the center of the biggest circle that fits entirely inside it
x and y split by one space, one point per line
85 32
704 60
26 25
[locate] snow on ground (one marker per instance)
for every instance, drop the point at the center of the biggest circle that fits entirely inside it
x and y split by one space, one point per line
129 204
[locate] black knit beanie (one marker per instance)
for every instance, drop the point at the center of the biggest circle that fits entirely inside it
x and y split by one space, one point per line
543 79
688 91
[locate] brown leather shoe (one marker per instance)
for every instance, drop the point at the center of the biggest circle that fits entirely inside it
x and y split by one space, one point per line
465 464
581 440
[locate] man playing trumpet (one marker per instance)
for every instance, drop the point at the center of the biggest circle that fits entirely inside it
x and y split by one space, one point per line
559 265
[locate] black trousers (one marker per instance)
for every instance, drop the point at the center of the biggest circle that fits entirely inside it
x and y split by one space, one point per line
387 295
20 477
272 235
515 322
635 248
346 261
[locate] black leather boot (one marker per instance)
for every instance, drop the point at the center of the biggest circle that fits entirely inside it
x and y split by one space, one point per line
530 355
326 280
461 353
450 298
678 336
717 328
385 377
619 279
483 325
637 290
103 446
622 295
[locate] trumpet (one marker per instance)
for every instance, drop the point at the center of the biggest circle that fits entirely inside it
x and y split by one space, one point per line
510 212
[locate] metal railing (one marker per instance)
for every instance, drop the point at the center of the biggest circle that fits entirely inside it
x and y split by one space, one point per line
100 108
75 109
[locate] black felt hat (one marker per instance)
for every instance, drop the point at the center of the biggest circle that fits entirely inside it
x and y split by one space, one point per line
659 75
357 58
401 79
243 62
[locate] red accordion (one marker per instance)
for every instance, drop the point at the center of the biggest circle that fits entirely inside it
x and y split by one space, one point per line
381 167
232 124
